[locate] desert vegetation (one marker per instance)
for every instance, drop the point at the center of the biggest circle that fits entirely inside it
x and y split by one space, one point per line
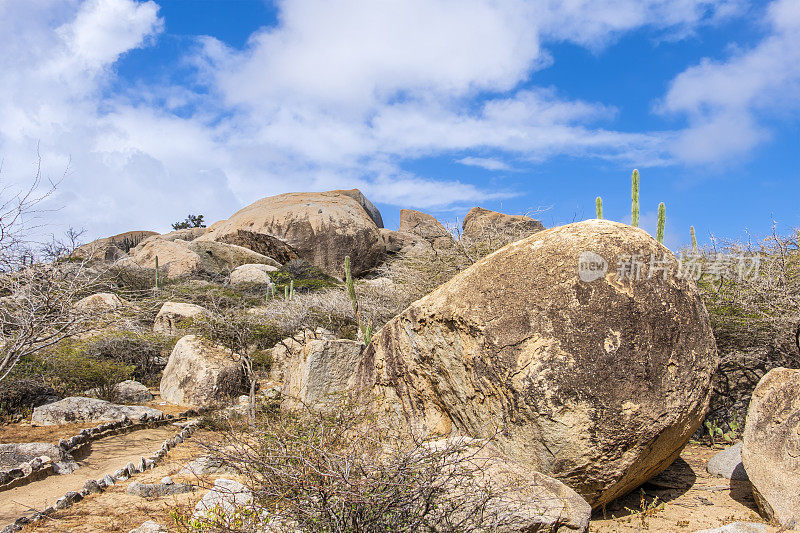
334 382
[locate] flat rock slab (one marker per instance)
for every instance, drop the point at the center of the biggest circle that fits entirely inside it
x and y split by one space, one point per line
226 496
11 455
80 409
156 490
728 464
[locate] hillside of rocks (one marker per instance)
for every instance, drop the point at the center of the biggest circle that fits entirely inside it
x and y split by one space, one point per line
300 367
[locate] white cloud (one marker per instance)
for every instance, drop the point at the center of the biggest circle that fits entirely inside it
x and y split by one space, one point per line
725 101
486 163
336 94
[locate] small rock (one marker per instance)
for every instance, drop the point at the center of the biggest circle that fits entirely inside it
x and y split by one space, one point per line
155 490
108 480
92 487
227 495
204 466
728 464
167 480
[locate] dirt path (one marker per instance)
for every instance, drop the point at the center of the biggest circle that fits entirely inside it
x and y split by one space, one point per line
689 499
104 456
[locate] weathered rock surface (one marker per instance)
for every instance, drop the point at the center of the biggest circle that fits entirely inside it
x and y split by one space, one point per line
187 234
172 313
484 225
102 302
221 257
518 498
597 383
11 455
111 248
728 464
174 257
204 466
262 243
771 447
149 527
320 371
156 490
128 391
322 228
426 227
200 373
226 495
80 409
252 274
291 348
182 258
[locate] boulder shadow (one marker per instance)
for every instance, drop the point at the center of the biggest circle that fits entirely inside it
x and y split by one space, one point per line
670 484
742 492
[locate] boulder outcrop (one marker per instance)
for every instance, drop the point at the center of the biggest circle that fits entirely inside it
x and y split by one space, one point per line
111 248
182 258
771 447
200 373
425 227
484 225
320 371
252 274
80 409
171 314
321 228
595 376
102 302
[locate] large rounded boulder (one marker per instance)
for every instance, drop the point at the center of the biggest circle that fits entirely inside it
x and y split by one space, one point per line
201 373
771 448
585 367
321 228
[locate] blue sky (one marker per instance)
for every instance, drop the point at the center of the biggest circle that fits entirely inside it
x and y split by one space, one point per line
152 110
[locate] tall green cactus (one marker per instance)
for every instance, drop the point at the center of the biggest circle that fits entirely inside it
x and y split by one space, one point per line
366 330
662 219
635 198
599 206
694 240
156 272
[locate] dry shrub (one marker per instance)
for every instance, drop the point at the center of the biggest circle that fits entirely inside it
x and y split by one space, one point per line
345 469
755 319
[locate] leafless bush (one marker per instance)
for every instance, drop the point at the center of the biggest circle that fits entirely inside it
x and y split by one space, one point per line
347 470
38 309
755 314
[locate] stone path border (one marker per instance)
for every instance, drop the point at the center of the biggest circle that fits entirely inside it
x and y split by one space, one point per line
97 486
41 467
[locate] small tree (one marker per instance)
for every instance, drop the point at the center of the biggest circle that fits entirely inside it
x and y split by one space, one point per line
36 300
192 221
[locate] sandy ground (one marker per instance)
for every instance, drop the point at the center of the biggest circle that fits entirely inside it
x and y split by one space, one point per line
116 511
24 432
103 456
688 499
685 498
